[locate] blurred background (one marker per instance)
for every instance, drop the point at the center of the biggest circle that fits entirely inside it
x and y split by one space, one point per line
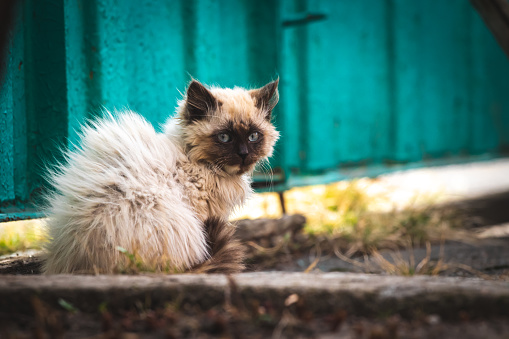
367 87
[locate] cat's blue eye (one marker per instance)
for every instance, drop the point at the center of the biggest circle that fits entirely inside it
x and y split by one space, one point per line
223 137
253 137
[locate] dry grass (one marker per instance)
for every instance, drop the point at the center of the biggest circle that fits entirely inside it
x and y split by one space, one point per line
399 265
362 215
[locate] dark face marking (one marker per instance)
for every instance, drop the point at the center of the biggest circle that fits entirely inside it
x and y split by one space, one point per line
238 150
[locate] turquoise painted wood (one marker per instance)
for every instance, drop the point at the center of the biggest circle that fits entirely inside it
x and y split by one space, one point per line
33 102
367 86
141 54
389 82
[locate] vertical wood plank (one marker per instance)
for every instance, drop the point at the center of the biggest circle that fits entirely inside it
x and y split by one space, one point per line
432 71
13 153
45 88
7 133
490 82
343 84
293 87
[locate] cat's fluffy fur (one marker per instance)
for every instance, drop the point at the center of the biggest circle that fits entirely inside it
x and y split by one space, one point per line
162 197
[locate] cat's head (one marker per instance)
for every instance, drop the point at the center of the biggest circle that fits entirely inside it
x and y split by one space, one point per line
229 128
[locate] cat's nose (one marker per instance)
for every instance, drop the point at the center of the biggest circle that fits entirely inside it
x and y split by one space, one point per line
243 152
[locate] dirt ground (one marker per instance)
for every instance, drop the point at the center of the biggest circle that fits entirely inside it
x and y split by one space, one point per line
487 258
229 322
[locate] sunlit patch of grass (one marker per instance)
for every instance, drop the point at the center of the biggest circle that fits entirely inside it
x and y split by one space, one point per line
259 205
363 214
334 209
374 230
20 236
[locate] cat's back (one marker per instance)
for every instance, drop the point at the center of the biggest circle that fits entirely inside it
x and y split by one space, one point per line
121 152
126 140
118 188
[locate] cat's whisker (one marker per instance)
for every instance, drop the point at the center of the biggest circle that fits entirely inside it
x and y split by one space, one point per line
271 173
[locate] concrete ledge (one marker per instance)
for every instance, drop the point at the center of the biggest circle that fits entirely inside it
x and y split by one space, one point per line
358 294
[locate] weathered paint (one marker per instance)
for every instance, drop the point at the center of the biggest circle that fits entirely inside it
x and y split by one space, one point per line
33 100
365 83
395 81
9 94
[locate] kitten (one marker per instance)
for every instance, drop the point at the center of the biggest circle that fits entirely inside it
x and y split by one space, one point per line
163 197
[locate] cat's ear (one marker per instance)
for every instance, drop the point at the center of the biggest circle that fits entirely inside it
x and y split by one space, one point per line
199 101
266 98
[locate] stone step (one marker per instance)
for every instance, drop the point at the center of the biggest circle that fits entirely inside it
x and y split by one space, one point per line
358 294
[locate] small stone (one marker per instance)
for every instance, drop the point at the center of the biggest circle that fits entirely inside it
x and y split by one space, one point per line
433 319
292 299
248 230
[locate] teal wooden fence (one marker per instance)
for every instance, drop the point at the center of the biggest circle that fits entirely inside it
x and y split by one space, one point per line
367 86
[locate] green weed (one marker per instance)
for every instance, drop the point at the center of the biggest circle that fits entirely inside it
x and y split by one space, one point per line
20 236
